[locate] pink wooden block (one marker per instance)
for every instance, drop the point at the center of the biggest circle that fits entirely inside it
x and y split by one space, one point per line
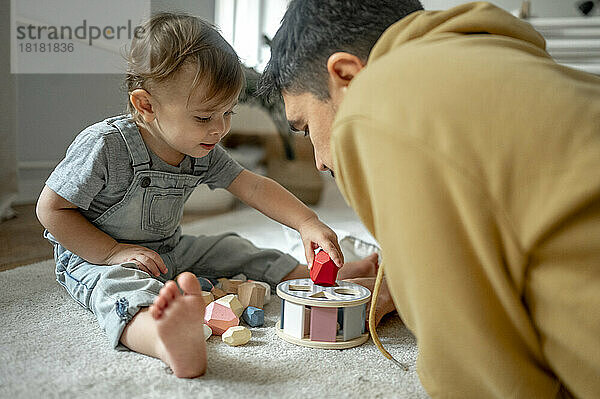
219 317
323 324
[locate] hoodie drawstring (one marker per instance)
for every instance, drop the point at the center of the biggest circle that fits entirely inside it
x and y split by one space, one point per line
372 327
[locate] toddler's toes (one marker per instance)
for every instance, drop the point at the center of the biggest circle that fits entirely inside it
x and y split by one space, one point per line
166 295
169 290
154 310
189 284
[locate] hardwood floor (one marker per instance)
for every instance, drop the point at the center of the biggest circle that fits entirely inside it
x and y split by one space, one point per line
22 243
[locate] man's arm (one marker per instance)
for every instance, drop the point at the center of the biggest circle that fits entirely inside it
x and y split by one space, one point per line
448 254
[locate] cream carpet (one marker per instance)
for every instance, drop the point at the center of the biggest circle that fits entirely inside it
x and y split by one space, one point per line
50 347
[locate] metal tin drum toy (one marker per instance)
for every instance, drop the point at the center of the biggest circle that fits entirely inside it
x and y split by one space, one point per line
322 317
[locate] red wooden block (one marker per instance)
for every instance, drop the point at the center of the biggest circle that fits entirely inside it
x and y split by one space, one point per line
323 271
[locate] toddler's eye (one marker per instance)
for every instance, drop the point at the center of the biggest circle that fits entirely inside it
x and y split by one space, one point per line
201 119
229 113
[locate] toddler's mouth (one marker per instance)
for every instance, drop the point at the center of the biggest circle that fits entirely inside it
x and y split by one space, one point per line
208 146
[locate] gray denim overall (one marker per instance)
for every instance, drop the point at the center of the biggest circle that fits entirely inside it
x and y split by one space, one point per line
149 215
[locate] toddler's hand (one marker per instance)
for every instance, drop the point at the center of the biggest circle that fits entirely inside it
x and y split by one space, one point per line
317 234
145 259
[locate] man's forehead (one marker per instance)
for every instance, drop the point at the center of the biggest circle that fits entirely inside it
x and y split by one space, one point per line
295 106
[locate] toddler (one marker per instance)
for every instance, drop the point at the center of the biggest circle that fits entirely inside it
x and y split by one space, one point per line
113 206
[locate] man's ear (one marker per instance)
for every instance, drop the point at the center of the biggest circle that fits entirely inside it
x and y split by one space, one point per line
342 68
142 101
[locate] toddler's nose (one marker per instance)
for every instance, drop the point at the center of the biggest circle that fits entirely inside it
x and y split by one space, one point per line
218 127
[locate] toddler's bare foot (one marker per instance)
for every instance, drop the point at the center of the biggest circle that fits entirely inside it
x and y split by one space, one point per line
179 321
366 267
384 305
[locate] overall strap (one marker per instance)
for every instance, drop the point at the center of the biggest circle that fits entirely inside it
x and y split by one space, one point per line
200 165
140 159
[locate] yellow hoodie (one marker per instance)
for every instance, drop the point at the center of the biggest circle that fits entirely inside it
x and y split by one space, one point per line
474 159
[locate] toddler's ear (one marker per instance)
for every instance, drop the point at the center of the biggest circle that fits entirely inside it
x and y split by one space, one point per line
140 99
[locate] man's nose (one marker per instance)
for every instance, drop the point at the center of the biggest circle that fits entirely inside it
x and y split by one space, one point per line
320 165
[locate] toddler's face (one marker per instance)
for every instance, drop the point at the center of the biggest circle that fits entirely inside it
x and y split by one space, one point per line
191 127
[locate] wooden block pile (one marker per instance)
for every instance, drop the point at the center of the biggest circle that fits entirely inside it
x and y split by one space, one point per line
231 300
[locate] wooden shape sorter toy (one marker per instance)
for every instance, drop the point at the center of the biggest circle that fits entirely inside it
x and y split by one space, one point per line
322 317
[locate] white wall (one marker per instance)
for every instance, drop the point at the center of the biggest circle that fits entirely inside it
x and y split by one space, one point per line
52 109
8 170
539 8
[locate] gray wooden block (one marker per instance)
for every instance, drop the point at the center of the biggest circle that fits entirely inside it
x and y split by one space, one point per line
254 317
353 324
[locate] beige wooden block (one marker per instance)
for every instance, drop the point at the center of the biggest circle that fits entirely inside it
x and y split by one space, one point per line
207 331
221 281
252 294
230 286
207 297
240 276
218 293
267 290
306 321
233 303
238 335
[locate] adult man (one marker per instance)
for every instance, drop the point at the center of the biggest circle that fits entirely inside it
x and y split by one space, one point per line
473 158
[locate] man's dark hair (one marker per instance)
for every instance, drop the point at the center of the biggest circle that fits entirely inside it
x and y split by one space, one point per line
312 30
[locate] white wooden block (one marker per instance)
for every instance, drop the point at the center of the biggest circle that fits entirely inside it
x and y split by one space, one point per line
294 319
238 335
207 332
353 322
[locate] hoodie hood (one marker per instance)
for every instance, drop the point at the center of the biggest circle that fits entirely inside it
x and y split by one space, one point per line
471 18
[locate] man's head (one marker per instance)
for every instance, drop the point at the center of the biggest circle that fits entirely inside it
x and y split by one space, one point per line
319 48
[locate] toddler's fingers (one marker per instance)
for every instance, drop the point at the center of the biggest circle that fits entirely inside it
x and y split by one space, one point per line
310 253
158 260
149 264
335 253
139 266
